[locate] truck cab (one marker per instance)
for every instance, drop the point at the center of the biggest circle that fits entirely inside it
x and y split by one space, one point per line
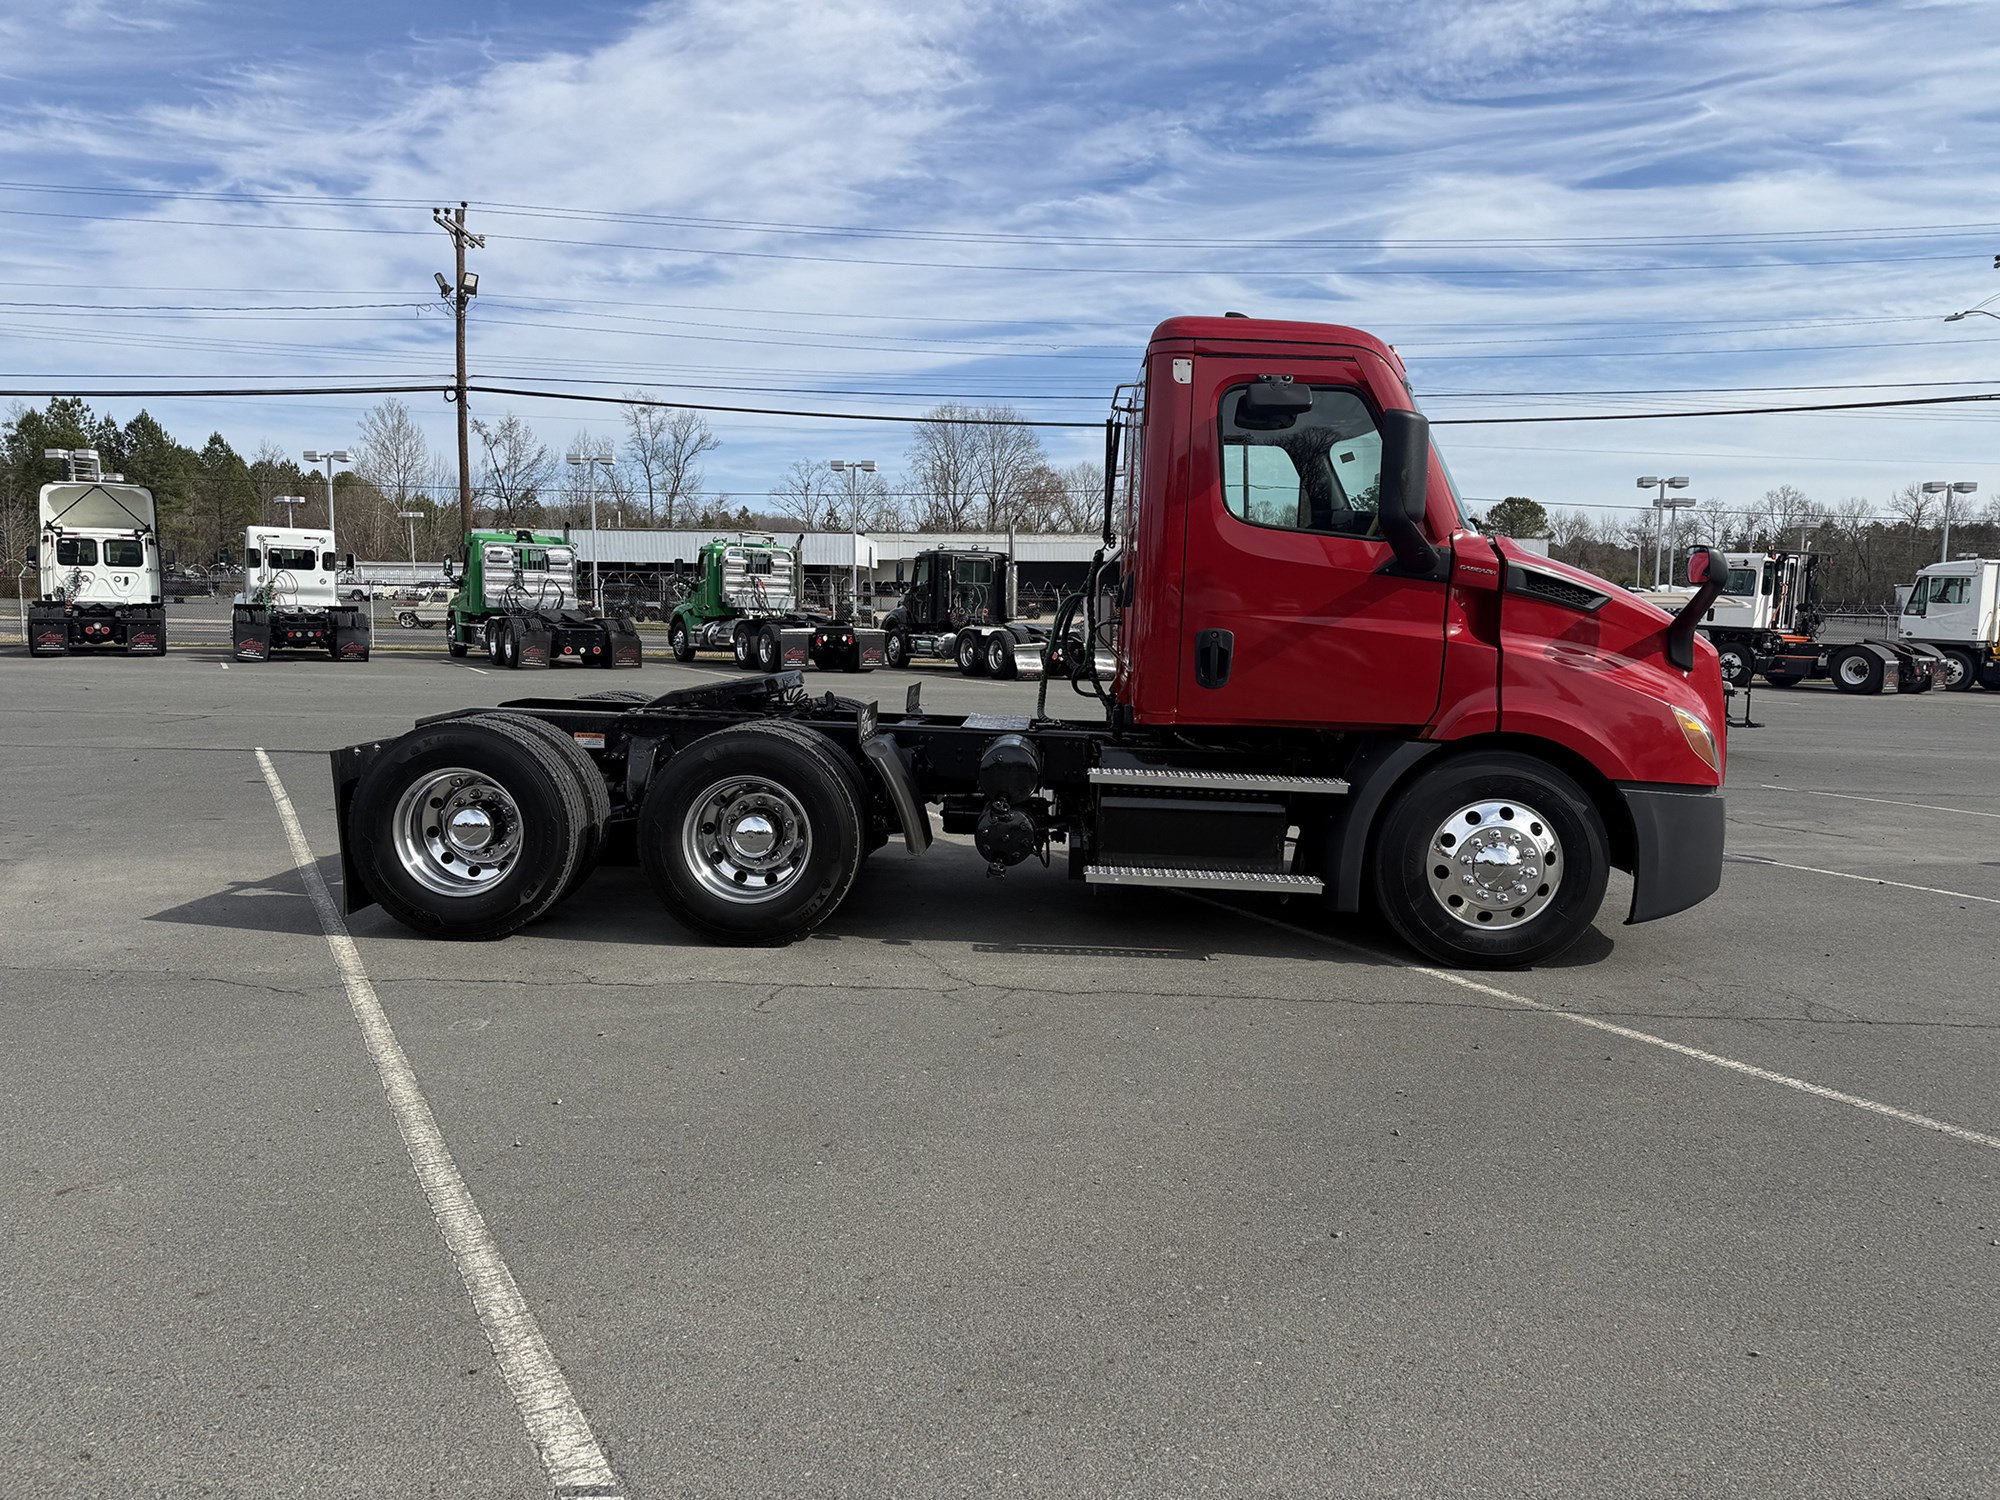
289 600
746 601
98 562
1955 607
519 601
960 605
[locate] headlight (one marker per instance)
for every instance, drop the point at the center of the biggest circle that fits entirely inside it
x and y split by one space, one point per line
1700 738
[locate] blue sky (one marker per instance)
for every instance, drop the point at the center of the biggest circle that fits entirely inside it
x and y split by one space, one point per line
1526 196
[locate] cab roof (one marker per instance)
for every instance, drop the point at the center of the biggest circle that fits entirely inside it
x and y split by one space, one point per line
1269 332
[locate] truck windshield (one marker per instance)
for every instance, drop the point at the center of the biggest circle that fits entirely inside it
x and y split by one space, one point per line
290 557
1742 583
77 552
123 552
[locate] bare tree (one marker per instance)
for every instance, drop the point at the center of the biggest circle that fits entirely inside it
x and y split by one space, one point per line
1006 453
516 470
810 495
1082 504
1569 529
1912 506
664 446
943 461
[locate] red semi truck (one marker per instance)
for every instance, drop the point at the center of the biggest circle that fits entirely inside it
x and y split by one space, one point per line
1315 678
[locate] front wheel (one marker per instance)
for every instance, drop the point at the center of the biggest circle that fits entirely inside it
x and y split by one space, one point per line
1958 670
408 619
1739 663
1490 860
752 835
896 649
681 642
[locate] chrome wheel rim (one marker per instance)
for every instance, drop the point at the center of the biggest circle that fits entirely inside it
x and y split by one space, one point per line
1494 864
996 656
1954 671
457 832
968 652
1854 670
746 839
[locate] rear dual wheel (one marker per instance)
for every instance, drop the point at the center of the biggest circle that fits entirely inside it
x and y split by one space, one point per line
971 659
1490 860
752 835
474 827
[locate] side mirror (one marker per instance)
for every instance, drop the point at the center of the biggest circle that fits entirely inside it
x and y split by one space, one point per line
449 569
34 556
1708 571
1404 491
348 563
1704 564
1272 403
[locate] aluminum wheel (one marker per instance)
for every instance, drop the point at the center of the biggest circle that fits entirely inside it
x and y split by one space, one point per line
457 831
746 839
1494 864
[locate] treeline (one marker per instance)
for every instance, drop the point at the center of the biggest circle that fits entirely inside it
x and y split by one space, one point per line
962 469
1866 547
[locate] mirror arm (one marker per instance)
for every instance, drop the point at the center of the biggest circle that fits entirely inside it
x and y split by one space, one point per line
1680 634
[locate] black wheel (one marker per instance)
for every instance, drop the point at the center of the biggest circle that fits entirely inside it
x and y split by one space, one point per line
769 649
999 656
1739 663
896 649
751 835
583 772
681 642
971 660
1856 670
1958 671
739 645
468 830
1782 679
452 644
1490 859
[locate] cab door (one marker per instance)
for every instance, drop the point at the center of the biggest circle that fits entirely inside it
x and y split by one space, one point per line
1288 617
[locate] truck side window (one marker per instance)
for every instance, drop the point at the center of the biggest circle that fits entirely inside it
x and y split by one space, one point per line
76 552
123 553
1742 583
1948 590
1321 474
920 580
327 562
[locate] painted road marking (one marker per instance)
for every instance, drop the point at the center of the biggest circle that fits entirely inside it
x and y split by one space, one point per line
1901 885
569 1450
1713 1059
1963 812
480 670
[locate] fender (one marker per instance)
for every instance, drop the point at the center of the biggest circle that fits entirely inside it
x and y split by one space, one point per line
1373 774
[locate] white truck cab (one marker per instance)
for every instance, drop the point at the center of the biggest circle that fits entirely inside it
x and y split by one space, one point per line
289 598
1955 607
98 562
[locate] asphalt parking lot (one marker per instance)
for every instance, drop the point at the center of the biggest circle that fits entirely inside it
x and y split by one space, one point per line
992 1187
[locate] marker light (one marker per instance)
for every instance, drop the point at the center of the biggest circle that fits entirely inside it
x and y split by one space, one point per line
1699 738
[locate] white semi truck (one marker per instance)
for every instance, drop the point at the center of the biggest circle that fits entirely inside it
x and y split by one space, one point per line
289 601
98 564
1954 607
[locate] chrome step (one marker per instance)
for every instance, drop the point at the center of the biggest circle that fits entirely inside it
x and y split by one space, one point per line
1203 880
1216 781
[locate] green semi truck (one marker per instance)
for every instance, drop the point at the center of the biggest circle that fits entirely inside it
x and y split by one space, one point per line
518 604
746 602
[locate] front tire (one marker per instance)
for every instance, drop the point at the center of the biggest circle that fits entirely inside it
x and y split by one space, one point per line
751 835
896 650
681 642
1490 860
1739 663
1958 671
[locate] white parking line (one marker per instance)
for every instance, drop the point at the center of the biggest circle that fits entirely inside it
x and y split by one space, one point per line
1963 812
1713 1059
480 670
569 1450
1901 885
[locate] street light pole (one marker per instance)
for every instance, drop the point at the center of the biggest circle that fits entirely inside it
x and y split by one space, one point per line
1662 505
588 462
412 516
330 458
852 467
1948 488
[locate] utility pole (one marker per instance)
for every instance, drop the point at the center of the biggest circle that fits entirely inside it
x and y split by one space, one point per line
461 289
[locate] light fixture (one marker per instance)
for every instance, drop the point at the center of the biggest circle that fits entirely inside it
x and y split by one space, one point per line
444 287
469 283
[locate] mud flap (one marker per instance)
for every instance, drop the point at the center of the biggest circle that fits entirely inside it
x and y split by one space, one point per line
251 637
48 632
531 645
871 650
795 649
623 639
146 633
351 638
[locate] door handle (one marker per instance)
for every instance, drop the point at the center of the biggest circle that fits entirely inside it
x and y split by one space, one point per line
1213 650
